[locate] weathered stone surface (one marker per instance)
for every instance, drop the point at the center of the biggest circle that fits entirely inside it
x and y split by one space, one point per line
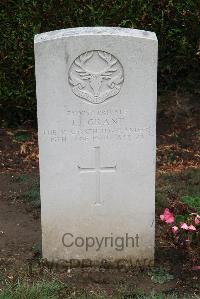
96 93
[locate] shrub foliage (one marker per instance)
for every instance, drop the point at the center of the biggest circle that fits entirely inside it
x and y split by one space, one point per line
176 23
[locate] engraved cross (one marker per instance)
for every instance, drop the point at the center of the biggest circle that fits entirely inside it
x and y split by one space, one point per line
98 169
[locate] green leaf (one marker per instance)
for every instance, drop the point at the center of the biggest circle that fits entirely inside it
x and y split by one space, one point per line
192 201
180 218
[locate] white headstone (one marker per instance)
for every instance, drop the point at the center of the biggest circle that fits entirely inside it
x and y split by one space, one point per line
96 94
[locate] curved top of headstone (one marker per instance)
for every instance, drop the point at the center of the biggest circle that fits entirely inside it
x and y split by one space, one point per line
57 34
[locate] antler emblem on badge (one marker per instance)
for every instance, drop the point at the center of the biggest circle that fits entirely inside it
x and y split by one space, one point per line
96 76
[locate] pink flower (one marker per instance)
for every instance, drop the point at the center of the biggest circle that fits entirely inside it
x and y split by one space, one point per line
167 216
197 220
184 226
192 228
174 229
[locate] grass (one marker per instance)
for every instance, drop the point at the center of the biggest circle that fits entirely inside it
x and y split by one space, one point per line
159 275
161 296
134 293
39 290
33 194
56 290
184 184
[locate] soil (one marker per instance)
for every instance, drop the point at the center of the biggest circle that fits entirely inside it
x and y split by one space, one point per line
20 228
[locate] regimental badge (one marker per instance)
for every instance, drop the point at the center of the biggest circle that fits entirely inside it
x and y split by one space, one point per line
96 76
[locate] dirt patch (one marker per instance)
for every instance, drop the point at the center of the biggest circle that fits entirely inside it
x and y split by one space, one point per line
18 151
19 230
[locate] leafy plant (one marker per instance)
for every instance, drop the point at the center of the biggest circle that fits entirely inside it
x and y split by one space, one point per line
184 229
192 201
160 275
22 137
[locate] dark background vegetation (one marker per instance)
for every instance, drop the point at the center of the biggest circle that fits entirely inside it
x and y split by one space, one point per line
176 23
